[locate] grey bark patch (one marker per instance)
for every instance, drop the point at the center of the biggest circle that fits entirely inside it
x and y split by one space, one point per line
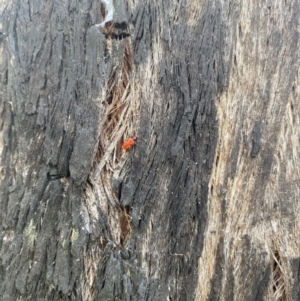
127 193
295 265
111 285
80 161
127 287
254 270
216 281
256 138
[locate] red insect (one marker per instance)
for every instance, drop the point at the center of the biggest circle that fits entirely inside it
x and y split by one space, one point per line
129 143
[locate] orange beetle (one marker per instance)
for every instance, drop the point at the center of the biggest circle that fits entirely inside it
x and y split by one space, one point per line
129 143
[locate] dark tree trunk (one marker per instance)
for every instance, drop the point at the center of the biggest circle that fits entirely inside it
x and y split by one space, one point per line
205 205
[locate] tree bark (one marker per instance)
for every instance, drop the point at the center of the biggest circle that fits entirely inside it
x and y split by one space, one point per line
205 205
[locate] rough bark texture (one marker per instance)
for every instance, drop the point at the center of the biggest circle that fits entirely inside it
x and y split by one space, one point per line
205 206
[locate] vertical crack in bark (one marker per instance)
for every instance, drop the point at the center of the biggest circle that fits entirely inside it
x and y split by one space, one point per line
124 216
116 118
278 276
102 200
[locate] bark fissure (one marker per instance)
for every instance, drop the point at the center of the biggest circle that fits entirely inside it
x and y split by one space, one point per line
105 182
279 286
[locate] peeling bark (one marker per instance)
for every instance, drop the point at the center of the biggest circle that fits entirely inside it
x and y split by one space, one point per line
204 206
